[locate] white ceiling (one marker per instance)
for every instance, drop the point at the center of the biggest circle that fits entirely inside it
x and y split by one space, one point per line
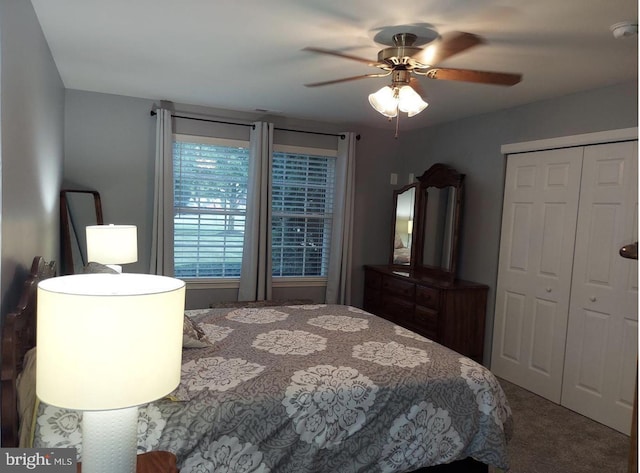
247 54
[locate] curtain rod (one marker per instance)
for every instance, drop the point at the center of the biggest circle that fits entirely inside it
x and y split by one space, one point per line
342 137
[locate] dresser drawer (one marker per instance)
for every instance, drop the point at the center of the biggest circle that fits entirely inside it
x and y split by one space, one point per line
425 321
399 288
428 297
396 309
371 302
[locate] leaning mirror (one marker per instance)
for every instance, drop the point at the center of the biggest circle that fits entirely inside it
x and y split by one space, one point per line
403 220
439 211
78 209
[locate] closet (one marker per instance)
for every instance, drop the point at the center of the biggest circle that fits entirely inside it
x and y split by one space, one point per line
566 314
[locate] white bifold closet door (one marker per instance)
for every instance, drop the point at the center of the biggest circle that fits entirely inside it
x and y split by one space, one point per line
534 274
602 335
566 302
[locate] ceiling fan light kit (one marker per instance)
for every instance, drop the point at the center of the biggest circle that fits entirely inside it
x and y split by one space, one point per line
388 101
410 102
385 101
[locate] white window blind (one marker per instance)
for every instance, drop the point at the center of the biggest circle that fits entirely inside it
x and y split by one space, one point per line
302 213
210 199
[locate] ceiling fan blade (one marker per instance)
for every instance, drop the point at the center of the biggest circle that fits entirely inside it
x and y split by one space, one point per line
342 55
451 44
346 79
468 75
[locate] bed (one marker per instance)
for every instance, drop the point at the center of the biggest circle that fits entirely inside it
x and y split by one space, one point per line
314 388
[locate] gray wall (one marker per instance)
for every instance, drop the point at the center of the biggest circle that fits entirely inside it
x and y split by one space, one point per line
110 147
109 143
32 107
473 147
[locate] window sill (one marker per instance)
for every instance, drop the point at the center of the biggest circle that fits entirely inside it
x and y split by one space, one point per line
299 282
234 283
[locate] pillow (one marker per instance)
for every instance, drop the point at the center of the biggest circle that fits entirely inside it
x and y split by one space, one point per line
193 336
98 268
398 242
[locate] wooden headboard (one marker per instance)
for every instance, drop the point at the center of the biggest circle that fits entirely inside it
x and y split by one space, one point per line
18 336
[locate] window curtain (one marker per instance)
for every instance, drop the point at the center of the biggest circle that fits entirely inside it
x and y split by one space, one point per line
339 274
255 272
162 230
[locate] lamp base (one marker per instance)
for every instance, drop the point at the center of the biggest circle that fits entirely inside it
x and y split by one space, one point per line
110 441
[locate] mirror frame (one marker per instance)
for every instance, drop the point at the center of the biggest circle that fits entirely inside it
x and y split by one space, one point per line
68 230
439 175
412 254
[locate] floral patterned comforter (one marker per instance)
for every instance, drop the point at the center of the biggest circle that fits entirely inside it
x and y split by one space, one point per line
315 388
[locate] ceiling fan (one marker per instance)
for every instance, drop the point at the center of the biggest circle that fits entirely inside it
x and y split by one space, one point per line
404 60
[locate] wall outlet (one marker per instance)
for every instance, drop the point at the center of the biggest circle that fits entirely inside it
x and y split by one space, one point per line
394 179
412 178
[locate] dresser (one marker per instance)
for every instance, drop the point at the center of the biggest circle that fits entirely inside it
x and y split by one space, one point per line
451 313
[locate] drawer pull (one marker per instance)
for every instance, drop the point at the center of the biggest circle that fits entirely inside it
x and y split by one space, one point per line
592 298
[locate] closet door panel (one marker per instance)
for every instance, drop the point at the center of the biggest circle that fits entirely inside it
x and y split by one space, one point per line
513 318
628 361
534 273
601 340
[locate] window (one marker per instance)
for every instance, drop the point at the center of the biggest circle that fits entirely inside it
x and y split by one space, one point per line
302 211
210 199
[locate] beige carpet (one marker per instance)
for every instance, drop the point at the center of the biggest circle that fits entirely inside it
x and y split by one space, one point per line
549 438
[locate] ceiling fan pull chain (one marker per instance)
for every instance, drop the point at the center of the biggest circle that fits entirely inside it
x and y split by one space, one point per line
397 122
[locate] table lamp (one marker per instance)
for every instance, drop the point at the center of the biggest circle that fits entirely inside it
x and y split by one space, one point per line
108 343
112 245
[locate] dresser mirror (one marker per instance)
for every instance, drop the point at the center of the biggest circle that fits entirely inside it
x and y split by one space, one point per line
438 212
404 201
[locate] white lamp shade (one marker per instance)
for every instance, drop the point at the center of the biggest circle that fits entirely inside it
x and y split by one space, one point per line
385 102
112 244
409 101
108 341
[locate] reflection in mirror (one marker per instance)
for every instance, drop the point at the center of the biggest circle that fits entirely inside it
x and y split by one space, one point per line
78 209
439 218
404 199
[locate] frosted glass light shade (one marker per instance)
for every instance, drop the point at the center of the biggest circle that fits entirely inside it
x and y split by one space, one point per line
108 341
385 102
410 102
112 244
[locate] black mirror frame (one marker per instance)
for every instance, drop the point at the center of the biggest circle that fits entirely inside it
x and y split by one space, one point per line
68 232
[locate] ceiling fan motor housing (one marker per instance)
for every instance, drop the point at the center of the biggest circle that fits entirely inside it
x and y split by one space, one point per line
401 77
402 53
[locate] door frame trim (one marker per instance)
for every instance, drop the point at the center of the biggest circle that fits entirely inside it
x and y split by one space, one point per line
609 136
